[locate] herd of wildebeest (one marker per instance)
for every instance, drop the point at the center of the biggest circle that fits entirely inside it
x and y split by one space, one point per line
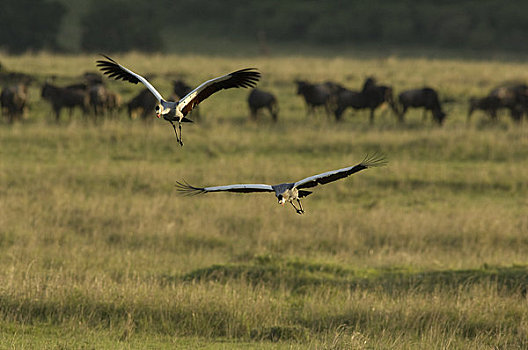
91 95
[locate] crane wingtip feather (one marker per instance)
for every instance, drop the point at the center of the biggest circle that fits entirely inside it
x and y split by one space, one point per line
376 159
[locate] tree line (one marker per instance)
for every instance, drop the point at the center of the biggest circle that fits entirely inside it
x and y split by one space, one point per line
118 25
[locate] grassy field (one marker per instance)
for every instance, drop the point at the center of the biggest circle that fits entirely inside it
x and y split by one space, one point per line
97 250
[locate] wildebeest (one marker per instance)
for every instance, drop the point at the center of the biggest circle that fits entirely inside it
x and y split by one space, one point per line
375 95
371 96
113 101
65 97
97 99
144 101
259 99
488 104
348 98
13 100
103 100
316 95
514 97
426 98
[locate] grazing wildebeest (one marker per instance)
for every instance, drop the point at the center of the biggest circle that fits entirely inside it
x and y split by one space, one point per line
488 104
143 101
371 96
97 97
67 97
375 95
348 98
514 97
258 99
113 101
425 98
13 100
103 100
316 95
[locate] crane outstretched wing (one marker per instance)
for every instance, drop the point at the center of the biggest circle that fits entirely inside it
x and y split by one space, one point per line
245 78
117 71
186 189
370 161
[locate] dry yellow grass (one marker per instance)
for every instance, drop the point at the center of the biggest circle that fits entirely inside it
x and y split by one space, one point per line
428 252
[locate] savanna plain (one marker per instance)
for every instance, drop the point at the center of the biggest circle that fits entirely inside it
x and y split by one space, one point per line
97 249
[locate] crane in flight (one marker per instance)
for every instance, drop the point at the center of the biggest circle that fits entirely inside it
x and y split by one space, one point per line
290 191
177 111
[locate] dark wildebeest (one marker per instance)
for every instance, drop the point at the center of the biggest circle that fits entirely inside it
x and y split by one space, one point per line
97 97
258 99
348 98
113 101
316 95
68 97
425 98
103 100
375 95
144 101
514 97
371 96
13 100
488 104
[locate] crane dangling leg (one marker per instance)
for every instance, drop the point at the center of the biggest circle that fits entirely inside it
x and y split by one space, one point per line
178 138
299 211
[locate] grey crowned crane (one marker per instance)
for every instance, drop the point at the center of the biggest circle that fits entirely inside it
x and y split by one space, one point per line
176 111
289 192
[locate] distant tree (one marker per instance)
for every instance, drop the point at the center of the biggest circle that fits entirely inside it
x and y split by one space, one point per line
122 26
30 24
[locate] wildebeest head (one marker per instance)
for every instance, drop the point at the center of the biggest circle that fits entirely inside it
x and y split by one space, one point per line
46 90
301 86
370 82
439 116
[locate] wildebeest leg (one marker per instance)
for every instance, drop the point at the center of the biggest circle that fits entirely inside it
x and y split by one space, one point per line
57 113
272 112
371 116
424 114
328 111
253 115
402 114
470 112
493 113
310 110
270 109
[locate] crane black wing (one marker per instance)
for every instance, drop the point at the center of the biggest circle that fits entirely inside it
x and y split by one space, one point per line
186 189
117 71
370 161
245 78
